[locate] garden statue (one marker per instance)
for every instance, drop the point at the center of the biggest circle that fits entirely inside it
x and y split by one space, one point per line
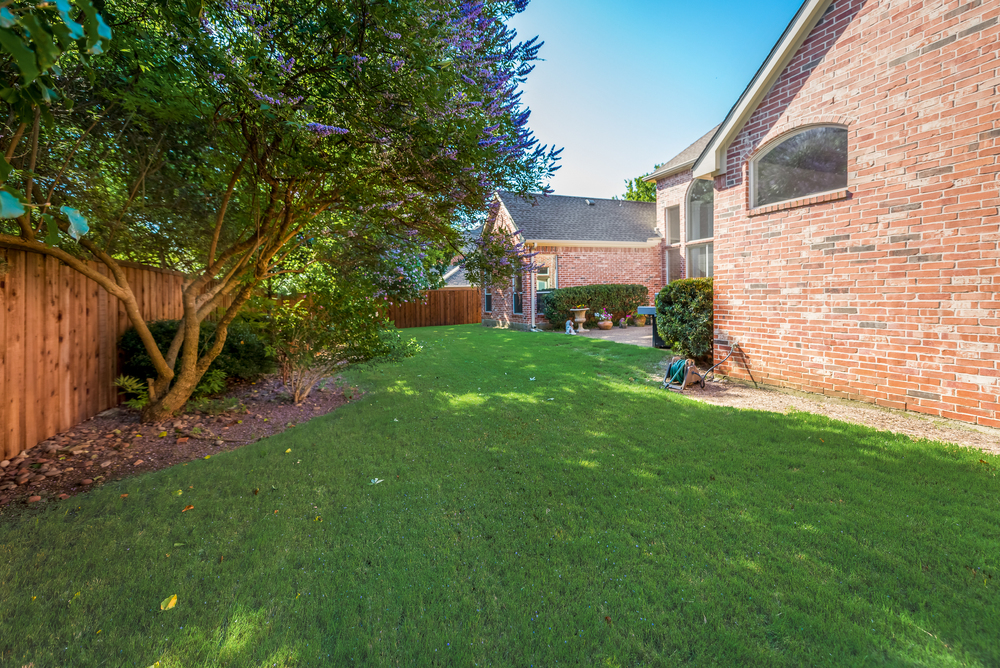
623 323
569 327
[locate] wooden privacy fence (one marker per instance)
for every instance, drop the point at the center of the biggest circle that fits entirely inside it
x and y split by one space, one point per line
447 306
59 342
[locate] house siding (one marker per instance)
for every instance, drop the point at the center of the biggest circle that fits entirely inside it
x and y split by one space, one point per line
888 293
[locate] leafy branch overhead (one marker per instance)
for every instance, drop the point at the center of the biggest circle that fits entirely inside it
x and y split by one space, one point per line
247 143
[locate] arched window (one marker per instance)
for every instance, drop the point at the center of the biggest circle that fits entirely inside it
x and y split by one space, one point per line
700 218
800 164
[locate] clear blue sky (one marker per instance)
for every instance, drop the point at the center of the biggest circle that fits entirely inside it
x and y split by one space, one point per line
627 84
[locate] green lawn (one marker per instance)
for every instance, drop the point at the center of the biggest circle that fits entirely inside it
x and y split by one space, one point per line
584 517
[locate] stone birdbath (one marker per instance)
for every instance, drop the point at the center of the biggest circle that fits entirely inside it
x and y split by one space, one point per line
579 317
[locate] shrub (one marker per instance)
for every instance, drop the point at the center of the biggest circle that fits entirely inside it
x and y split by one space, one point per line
313 340
618 300
244 355
684 316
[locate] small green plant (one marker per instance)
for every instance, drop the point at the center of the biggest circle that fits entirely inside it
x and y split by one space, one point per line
213 382
131 385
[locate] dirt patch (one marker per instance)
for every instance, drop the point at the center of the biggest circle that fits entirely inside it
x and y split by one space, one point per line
723 392
115 444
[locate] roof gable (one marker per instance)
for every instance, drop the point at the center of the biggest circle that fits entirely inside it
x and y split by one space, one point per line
684 159
563 218
712 160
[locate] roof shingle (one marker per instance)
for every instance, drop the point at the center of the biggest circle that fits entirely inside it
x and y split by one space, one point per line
685 158
563 218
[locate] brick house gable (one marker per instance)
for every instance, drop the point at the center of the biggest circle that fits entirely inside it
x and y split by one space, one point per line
887 290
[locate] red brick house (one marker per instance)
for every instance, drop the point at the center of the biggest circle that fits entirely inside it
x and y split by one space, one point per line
856 233
579 241
685 213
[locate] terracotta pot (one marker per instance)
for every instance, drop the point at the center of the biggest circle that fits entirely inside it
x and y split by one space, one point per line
640 320
605 324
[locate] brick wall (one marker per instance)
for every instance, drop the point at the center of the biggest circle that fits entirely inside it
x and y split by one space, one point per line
888 291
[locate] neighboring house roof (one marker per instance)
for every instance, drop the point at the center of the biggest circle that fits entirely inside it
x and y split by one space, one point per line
683 160
588 219
712 160
455 277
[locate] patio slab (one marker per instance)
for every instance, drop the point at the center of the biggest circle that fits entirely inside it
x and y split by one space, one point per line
636 336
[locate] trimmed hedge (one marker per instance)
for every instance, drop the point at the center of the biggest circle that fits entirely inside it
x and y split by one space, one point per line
621 300
684 317
244 355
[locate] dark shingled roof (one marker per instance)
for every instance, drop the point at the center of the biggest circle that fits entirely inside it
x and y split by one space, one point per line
563 218
455 277
685 158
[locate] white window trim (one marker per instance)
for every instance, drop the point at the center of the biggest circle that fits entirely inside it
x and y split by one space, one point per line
687 258
513 296
685 226
775 143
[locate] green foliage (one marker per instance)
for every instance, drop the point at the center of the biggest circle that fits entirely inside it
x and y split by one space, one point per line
618 300
136 389
315 338
244 356
684 316
637 190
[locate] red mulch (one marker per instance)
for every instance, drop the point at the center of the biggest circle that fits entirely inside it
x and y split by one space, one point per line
115 444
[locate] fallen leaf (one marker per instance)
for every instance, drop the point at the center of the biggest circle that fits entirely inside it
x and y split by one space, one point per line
608 620
288 450
179 544
178 492
168 602
256 491
162 434
136 462
318 519
124 495
221 557
207 456
187 508
275 512
183 439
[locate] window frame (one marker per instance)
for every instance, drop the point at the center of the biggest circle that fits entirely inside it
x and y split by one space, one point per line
687 257
517 296
487 301
687 213
775 143
666 223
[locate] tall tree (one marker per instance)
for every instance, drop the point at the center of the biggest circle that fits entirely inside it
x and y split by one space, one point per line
230 138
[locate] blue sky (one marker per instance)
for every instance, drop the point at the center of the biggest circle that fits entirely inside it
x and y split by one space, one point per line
625 85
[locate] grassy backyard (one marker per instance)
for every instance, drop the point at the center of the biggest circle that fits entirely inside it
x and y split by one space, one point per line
543 503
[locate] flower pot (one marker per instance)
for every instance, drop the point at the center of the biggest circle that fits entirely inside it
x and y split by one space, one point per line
640 320
579 317
605 324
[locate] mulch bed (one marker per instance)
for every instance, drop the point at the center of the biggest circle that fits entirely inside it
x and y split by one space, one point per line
115 444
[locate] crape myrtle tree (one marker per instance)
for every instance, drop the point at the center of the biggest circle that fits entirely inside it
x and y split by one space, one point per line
230 139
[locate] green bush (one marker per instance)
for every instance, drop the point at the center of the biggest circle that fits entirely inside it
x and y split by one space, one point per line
244 356
684 316
620 300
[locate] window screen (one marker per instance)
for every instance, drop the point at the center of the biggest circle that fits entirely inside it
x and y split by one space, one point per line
673 225
806 163
700 213
699 261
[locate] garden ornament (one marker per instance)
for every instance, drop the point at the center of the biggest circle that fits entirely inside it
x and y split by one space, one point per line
569 328
623 323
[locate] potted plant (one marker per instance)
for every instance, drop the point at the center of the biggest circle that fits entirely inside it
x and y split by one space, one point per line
604 319
639 319
580 315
